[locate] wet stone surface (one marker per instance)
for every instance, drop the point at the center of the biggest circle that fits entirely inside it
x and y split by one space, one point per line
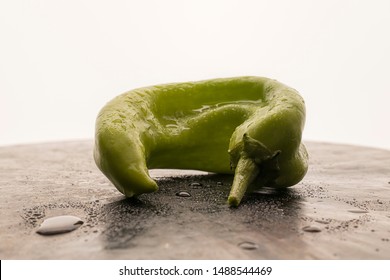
340 210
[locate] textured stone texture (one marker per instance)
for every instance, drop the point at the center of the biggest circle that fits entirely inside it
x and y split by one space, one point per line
341 210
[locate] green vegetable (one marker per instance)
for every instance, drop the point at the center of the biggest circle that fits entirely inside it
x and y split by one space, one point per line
250 126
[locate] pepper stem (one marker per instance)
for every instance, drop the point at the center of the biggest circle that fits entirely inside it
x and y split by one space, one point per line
246 171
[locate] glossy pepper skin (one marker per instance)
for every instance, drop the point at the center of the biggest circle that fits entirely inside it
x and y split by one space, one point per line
249 126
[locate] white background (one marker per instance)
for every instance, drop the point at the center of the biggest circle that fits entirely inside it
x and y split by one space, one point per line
61 61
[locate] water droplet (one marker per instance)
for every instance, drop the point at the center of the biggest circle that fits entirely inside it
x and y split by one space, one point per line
183 194
196 184
59 224
311 229
359 211
202 109
265 190
117 121
247 245
322 222
172 126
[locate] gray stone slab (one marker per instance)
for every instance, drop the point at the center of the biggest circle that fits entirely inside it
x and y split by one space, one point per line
341 210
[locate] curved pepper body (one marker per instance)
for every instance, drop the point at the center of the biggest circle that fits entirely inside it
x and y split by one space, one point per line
208 125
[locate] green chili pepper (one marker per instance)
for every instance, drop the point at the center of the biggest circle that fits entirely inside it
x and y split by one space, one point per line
249 126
